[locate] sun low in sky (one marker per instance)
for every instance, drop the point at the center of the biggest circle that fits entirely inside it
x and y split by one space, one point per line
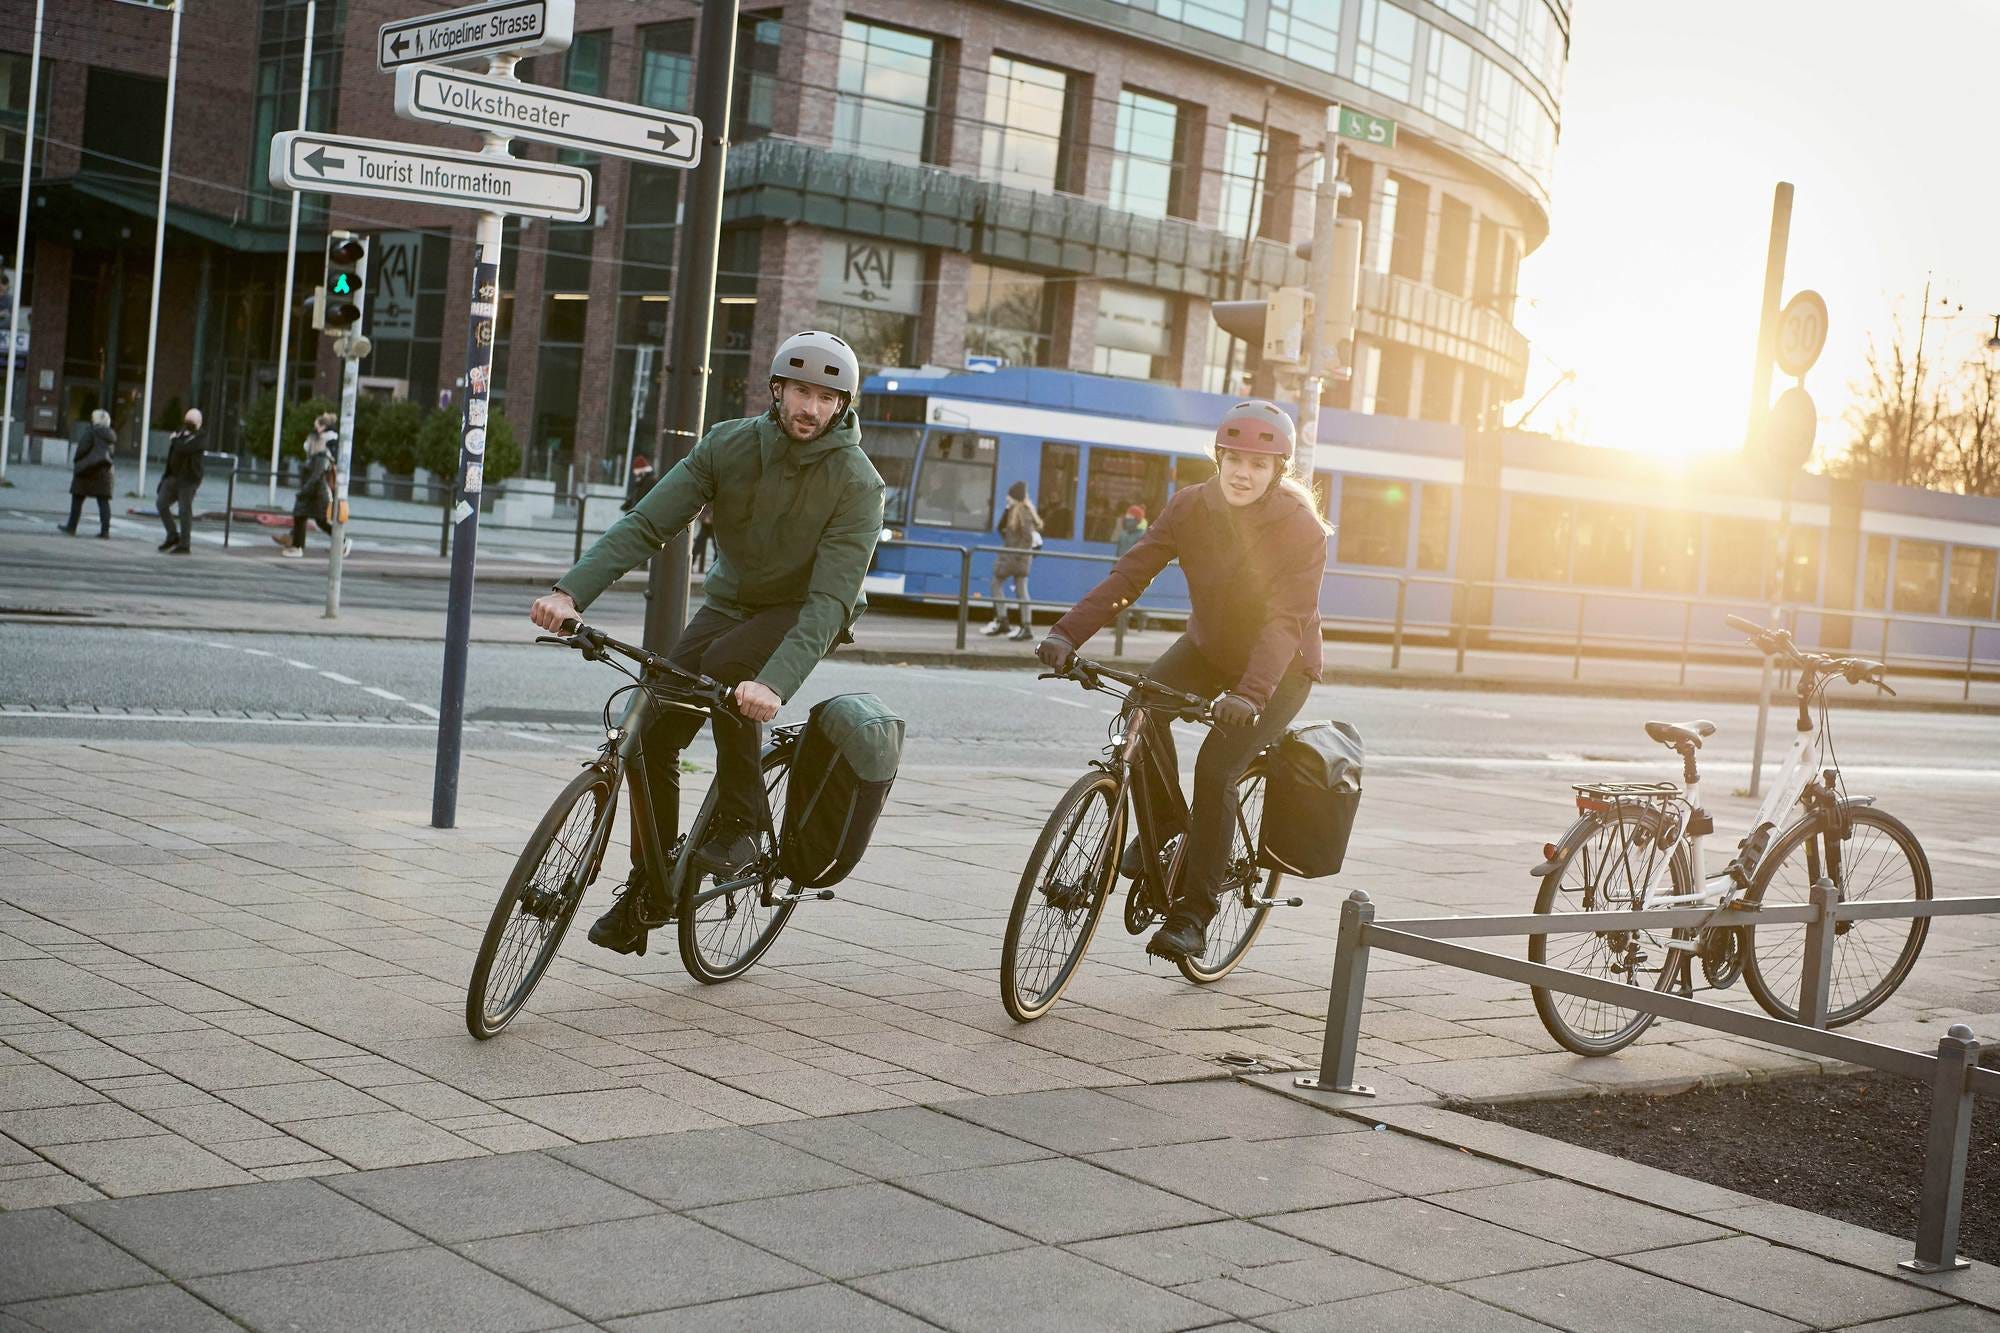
1678 121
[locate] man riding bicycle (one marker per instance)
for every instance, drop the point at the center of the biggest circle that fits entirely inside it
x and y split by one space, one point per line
797 508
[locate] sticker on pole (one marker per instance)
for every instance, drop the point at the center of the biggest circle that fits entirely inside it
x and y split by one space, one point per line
460 512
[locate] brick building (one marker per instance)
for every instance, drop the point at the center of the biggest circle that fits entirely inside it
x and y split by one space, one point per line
1052 182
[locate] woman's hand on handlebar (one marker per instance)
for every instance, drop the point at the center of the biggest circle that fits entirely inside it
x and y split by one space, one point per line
1055 653
757 702
554 612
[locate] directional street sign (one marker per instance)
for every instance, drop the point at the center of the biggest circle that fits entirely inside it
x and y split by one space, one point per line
338 164
547 115
1368 129
477 30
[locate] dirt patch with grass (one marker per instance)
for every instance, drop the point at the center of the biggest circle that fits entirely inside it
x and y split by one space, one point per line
1848 1147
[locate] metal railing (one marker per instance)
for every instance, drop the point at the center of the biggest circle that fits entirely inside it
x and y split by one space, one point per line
1953 1072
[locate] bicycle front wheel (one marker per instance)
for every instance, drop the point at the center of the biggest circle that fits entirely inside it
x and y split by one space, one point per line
1244 901
1880 859
1063 891
538 902
1608 862
724 932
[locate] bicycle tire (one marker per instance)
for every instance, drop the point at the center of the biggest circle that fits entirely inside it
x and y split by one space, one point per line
1775 955
1569 1018
524 942
724 937
1240 908
1076 903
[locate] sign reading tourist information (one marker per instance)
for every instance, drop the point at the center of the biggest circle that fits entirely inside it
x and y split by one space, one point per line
547 115
338 164
477 30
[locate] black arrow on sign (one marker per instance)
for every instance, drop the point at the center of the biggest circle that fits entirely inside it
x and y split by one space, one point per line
398 46
318 160
667 136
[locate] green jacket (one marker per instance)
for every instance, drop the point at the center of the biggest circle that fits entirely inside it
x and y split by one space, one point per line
795 525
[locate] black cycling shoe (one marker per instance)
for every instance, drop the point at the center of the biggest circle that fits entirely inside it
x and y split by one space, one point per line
1131 863
1181 937
730 846
620 929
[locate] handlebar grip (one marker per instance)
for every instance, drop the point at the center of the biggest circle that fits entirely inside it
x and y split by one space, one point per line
572 625
1739 623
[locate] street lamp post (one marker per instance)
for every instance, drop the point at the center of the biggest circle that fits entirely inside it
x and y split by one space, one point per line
160 239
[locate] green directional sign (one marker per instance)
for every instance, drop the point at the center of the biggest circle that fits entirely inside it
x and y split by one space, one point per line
1376 130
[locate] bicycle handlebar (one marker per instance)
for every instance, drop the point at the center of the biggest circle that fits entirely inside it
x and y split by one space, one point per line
1778 643
1193 708
594 644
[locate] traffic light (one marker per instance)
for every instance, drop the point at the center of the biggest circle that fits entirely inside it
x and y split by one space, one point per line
346 282
1275 327
1343 294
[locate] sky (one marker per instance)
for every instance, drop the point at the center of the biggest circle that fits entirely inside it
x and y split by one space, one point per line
1678 121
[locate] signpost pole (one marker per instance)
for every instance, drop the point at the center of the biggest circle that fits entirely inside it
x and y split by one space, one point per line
1760 406
1326 209
686 382
350 380
21 244
291 265
159 240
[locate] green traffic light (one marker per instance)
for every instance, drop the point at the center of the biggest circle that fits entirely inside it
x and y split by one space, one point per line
343 284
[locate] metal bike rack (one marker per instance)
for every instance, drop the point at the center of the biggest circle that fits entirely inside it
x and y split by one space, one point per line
1953 1073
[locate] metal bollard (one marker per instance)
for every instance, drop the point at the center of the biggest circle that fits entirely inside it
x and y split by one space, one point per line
1464 624
1402 605
444 530
1343 1002
582 501
1576 666
229 510
1971 642
1687 629
1816 977
964 593
1944 1155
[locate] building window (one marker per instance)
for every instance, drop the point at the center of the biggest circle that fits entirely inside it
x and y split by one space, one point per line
1387 51
1219 366
1462 9
1147 152
1919 577
869 294
1028 110
1119 479
1374 524
955 483
281 32
1454 246
1244 179
586 70
755 91
1802 565
1406 252
1503 22
1434 527
1670 557
1972 576
1307 31
1134 335
1875 575
879 337
1448 75
1440 388
1379 245
1058 498
1538 539
886 92
1494 123
1739 556
1391 395
1605 543
666 65
1008 314
1223 17
122 115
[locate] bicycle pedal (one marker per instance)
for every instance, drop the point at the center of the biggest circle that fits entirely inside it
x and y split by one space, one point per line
1279 902
805 895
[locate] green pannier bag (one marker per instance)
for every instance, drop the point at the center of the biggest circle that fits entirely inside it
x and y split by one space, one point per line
840 780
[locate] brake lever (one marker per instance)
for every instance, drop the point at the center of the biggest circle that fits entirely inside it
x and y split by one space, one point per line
1884 688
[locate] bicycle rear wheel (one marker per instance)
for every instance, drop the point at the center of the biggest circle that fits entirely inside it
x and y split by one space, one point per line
1605 863
540 898
723 934
1063 890
1880 859
1243 903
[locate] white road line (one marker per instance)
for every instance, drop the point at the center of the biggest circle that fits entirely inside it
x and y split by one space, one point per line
425 709
339 679
1056 699
303 666
381 693
344 724
539 740
256 652
1864 771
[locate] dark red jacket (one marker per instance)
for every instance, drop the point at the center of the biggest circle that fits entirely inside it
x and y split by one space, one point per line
1253 577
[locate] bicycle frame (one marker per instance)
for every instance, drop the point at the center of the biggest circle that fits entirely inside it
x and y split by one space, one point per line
1134 748
1788 790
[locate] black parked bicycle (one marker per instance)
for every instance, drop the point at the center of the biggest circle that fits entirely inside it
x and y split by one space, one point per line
1069 875
725 924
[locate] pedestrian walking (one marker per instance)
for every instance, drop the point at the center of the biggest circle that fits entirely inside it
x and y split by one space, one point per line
704 530
315 498
179 483
1020 529
641 481
91 474
1130 529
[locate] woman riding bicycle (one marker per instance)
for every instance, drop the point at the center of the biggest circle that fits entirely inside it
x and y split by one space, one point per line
1253 549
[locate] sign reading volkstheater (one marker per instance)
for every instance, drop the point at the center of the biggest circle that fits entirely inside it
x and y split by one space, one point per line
339 164
547 115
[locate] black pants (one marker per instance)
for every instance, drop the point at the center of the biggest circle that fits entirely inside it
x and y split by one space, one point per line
174 491
1224 755
76 512
731 651
299 529
702 536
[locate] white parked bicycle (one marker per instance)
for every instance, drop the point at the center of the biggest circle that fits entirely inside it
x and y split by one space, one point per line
1640 845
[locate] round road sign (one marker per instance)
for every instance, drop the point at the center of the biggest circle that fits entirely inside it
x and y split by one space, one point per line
1789 430
1801 333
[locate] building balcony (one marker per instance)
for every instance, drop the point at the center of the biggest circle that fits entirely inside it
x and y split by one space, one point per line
1397 310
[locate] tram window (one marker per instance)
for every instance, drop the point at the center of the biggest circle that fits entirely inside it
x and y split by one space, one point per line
1605 539
1919 577
1056 491
1671 552
1434 527
1802 565
1739 553
893 451
1119 479
902 407
955 483
1538 533
1972 578
1323 492
1192 470
1374 524
1875 575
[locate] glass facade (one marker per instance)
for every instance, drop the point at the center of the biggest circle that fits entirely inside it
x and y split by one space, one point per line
1008 314
886 95
955 484
1374 526
1919 577
1972 577
1386 56
281 34
1134 335
1307 31
1027 109
1448 78
1243 179
1117 480
1146 155
1223 17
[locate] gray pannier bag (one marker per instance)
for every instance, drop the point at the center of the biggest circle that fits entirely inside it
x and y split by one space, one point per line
1310 796
839 783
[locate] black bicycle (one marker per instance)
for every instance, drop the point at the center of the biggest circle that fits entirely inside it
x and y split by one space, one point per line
725 923
1069 875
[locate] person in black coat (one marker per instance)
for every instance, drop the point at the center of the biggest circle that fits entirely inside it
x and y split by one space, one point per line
91 473
182 480
315 498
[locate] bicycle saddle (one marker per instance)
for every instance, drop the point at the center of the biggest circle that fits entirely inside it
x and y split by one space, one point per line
1680 733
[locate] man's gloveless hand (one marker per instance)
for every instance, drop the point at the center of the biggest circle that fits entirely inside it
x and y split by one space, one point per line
757 702
552 611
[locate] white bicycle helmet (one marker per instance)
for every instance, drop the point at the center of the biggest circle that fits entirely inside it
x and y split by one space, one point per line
814 357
